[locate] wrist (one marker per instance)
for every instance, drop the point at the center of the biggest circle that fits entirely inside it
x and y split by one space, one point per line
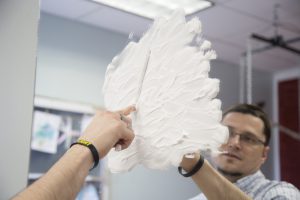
188 163
103 141
191 171
92 150
83 154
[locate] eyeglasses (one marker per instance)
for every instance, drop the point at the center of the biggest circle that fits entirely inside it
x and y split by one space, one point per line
246 138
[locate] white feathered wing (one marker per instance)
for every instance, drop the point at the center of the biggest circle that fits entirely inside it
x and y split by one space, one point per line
166 77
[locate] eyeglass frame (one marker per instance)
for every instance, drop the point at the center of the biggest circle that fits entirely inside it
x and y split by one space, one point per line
251 137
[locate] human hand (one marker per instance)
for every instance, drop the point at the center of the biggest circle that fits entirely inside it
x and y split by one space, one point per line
108 129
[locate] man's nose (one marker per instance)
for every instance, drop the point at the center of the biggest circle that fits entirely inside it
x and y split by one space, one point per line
234 141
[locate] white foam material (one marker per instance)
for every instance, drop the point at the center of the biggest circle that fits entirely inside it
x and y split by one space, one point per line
165 75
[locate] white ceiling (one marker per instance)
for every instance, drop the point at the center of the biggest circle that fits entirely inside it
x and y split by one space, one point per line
227 25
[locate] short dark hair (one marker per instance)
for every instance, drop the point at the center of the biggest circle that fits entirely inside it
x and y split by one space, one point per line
256 112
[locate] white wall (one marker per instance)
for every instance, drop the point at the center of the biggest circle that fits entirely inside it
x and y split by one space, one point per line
71 65
72 59
18 44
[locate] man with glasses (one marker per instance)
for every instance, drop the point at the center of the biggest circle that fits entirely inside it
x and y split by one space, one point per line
240 161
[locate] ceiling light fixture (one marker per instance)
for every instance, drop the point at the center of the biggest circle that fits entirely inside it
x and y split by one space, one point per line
153 8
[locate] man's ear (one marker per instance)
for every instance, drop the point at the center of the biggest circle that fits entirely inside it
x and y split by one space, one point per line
265 153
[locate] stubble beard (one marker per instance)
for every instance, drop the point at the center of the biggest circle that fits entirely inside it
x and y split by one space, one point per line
230 174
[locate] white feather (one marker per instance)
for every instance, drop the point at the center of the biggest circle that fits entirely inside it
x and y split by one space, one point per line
166 77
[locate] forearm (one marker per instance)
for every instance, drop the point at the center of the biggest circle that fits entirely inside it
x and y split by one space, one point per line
212 184
215 186
64 179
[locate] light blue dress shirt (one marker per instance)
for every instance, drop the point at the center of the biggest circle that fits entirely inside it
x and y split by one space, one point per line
260 188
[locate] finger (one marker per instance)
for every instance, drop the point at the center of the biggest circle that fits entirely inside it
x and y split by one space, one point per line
127 111
126 140
118 147
129 138
126 144
127 120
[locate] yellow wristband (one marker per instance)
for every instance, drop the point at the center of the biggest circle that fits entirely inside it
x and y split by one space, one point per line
93 149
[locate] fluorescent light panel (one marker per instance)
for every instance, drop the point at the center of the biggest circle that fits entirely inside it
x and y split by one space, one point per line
152 8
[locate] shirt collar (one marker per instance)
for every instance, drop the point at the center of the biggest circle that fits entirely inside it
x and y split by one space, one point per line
250 180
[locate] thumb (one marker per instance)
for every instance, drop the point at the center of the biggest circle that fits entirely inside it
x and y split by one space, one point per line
127 110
